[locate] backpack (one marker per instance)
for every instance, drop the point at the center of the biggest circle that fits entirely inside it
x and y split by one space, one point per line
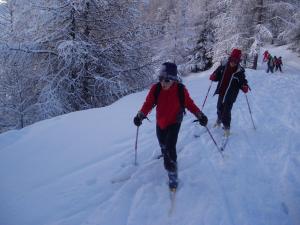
180 95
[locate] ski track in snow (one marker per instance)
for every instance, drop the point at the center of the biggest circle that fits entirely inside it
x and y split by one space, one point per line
257 182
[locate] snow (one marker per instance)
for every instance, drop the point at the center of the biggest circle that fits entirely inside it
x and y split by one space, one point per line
77 169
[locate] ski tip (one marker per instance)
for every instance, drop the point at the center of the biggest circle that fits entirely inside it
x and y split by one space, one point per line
159 156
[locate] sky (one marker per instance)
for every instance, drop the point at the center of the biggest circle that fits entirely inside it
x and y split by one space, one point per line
78 168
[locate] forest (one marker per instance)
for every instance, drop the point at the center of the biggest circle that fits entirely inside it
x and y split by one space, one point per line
61 56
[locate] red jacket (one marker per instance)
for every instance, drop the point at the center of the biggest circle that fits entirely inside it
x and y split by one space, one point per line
168 105
266 56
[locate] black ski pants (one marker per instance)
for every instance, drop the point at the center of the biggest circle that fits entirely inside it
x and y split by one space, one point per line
167 139
270 68
224 111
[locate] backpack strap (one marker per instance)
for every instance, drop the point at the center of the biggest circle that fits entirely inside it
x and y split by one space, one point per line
156 93
181 96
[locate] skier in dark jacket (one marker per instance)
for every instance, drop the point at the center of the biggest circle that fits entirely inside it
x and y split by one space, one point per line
231 78
169 115
278 64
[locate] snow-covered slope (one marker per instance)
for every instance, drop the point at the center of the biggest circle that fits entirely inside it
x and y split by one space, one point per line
74 169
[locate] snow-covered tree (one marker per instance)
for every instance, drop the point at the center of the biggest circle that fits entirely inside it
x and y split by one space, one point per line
284 22
19 91
6 20
101 54
59 56
293 34
76 55
202 54
235 27
249 24
18 80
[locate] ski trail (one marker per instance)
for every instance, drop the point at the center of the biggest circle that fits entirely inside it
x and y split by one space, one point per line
278 119
223 194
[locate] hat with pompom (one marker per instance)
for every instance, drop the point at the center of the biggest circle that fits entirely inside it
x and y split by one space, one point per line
168 71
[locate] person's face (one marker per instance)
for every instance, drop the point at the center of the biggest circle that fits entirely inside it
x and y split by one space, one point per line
166 83
233 63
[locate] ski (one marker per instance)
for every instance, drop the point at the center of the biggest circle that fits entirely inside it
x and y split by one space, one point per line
173 184
224 143
131 170
172 198
120 179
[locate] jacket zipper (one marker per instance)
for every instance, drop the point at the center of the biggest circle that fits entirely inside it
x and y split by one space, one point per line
238 70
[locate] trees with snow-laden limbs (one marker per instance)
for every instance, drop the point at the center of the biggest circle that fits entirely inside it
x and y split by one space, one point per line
86 54
69 55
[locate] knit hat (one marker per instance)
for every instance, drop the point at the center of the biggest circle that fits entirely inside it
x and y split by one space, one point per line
168 71
235 55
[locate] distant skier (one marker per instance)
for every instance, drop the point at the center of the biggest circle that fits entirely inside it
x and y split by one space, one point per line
231 78
266 56
274 62
170 98
270 64
278 64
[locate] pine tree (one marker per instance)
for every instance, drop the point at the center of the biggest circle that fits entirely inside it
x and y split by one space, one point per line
202 56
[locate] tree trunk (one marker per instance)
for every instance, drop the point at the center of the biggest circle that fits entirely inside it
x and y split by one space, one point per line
260 6
255 62
86 78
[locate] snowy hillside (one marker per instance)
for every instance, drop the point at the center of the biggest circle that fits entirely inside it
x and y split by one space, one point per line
77 169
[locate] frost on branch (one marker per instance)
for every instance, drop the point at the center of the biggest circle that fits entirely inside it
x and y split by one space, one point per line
263 33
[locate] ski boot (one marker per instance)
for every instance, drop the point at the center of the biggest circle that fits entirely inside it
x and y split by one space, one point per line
173 180
226 132
217 124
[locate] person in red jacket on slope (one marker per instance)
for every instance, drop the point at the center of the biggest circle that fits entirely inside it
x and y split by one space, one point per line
266 56
169 115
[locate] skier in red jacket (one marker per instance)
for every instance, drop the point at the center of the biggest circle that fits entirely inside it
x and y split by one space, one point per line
169 115
266 56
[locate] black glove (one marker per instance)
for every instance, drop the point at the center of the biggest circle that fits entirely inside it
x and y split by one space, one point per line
202 119
137 120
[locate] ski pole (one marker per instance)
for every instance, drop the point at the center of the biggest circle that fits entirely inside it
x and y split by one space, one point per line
250 111
214 141
135 147
207 94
